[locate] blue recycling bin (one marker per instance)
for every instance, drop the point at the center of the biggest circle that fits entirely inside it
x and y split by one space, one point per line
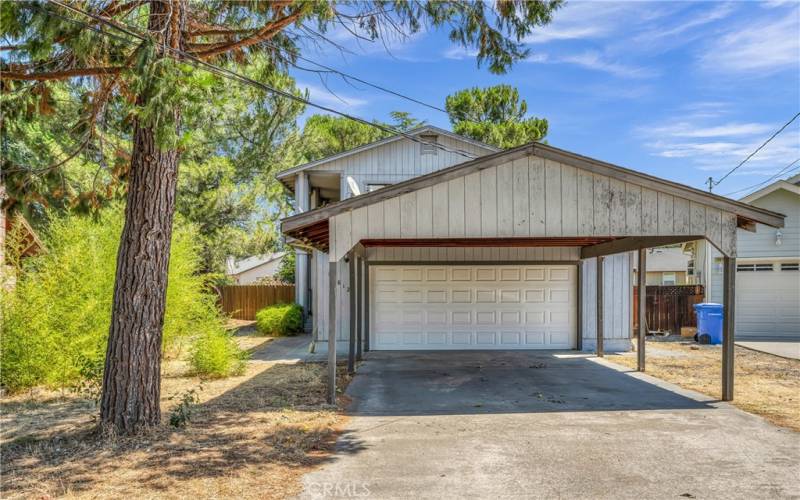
709 321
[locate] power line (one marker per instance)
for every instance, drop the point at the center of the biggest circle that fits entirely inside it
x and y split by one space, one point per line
785 170
716 183
249 81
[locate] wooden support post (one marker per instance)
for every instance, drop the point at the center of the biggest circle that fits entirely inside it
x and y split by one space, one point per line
728 325
599 328
366 306
332 333
359 306
642 284
579 314
352 319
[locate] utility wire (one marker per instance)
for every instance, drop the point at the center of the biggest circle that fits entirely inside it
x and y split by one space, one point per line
716 183
249 81
785 170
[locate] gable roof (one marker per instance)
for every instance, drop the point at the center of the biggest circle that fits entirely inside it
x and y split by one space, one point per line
421 130
792 184
246 264
297 225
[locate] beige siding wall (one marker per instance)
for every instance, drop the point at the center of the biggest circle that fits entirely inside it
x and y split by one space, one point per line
617 314
398 161
532 197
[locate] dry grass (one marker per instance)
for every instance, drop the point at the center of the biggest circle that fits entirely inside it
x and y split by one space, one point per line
766 385
251 436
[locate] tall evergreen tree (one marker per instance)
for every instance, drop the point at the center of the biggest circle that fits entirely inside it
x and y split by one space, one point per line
494 115
154 85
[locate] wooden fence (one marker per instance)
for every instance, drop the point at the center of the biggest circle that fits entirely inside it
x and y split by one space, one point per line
243 301
669 307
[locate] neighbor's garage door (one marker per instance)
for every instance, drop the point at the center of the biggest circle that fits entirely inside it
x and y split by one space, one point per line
767 300
473 307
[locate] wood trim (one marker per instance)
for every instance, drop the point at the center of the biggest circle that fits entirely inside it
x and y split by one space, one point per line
600 304
641 278
473 262
485 242
633 243
579 312
332 333
352 319
728 325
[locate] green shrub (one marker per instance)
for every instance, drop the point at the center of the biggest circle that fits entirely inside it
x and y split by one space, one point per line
280 319
55 323
216 354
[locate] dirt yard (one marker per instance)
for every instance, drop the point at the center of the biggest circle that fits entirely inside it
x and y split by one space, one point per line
251 436
764 384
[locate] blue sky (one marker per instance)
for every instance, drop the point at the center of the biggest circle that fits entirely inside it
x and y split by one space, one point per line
680 90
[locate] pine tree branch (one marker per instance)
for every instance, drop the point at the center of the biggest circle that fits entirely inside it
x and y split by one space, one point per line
265 33
62 74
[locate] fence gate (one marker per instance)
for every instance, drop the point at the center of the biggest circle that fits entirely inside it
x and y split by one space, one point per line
243 301
669 307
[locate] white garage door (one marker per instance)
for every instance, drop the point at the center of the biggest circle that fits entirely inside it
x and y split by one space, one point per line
473 307
767 300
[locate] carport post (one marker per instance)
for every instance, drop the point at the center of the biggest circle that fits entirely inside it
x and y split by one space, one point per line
641 278
728 325
366 305
332 333
359 319
360 301
353 319
599 348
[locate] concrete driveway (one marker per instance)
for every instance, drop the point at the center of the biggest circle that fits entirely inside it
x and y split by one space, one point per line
545 425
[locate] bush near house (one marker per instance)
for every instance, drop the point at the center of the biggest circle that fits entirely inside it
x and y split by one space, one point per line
280 319
55 323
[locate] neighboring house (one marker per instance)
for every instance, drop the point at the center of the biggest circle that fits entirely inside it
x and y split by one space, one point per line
252 269
768 274
667 266
18 239
496 252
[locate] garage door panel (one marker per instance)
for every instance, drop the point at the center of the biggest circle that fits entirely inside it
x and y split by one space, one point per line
768 303
483 307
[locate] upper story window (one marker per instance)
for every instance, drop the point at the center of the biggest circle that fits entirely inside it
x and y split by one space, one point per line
428 146
668 279
790 266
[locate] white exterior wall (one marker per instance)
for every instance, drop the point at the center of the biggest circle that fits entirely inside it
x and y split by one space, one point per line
397 161
617 302
252 275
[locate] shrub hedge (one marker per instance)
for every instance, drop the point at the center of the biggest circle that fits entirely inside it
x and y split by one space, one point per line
280 319
55 323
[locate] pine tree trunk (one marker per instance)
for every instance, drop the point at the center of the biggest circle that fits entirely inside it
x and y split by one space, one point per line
132 378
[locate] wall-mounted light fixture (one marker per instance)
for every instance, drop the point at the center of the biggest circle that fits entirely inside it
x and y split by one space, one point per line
778 237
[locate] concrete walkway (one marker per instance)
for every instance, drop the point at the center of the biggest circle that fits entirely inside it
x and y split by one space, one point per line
785 349
545 425
296 349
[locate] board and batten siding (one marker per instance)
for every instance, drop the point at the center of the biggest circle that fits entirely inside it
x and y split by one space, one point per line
531 197
398 161
617 313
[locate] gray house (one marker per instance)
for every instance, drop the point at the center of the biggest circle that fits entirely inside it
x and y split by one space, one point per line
460 246
767 270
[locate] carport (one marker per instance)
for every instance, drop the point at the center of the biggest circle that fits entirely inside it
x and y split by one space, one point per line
509 251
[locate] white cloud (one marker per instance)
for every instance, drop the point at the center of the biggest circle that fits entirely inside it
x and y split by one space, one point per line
665 38
594 60
719 146
592 20
692 130
330 98
458 52
757 48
